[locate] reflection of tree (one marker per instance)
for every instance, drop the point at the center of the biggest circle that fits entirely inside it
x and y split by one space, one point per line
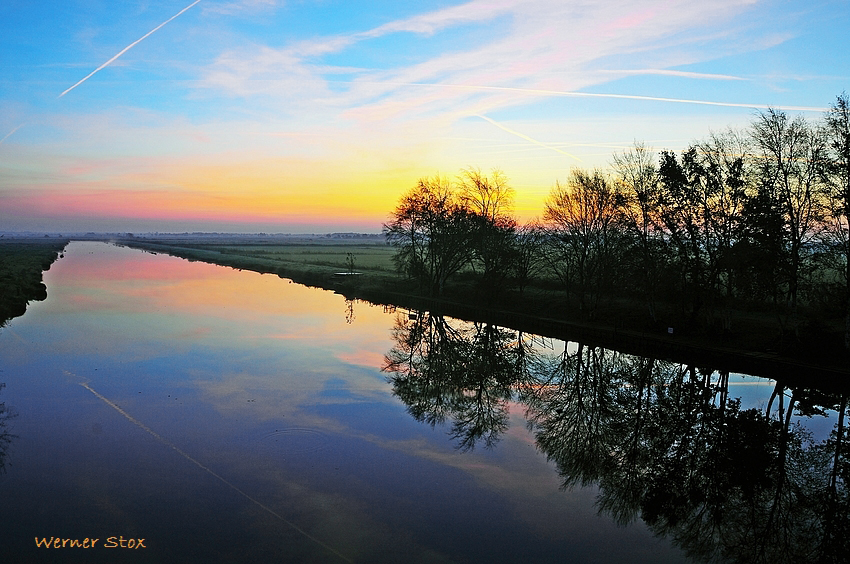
5 436
661 441
575 394
349 311
463 372
668 445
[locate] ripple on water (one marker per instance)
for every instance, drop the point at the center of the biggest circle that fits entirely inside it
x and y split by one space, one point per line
292 441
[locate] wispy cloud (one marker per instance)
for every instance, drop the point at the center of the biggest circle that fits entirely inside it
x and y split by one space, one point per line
271 72
127 48
543 48
432 22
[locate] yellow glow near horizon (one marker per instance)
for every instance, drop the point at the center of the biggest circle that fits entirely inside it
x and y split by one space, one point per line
267 190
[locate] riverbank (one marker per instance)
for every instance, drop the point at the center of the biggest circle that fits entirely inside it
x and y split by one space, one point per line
751 346
22 262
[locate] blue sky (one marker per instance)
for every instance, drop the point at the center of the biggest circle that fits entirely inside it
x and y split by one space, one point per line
266 115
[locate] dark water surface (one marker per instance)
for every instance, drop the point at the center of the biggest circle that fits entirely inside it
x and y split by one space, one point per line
228 416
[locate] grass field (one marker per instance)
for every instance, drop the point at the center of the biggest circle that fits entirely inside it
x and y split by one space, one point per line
313 262
371 258
21 264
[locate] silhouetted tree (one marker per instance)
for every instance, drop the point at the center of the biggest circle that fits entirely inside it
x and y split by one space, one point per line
490 197
529 253
755 219
639 192
683 207
431 231
760 254
490 201
791 158
581 217
723 169
838 180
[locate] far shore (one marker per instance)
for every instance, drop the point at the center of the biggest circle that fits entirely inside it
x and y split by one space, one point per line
324 261
319 260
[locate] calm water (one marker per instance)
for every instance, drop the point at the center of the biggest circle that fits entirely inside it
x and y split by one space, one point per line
228 416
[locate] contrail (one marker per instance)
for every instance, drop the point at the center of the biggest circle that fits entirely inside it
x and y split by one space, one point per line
682 101
10 133
127 48
667 72
568 93
166 442
526 137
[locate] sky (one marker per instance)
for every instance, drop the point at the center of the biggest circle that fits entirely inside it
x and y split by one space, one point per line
315 116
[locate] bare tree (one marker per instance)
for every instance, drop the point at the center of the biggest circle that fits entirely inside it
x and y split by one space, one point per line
639 192
529 258
791 156
838 180
682 208
489 201
581 218
700 205
723 159
490 197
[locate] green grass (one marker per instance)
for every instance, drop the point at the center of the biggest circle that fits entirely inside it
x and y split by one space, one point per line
22 262
366 257
313 263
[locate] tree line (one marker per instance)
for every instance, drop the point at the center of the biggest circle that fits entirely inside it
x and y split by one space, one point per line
754 217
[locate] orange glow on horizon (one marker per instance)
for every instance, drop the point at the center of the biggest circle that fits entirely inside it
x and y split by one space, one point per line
261 191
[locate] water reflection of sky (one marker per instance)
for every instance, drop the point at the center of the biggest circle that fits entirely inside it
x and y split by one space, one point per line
273 433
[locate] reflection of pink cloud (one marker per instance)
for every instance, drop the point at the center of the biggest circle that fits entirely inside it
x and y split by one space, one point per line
85 302
518 428
368 358
126 278
143 266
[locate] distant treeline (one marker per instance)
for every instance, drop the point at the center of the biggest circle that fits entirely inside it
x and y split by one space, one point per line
22 262
757 219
